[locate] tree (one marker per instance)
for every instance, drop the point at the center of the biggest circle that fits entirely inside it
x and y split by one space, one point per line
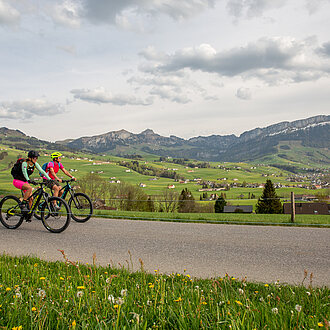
269 202
219 205
186 202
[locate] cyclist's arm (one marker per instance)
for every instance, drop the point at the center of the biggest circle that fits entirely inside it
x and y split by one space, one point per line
24 171
67 173
52 172
39 168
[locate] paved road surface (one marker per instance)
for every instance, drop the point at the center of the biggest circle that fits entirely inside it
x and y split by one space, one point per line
205 250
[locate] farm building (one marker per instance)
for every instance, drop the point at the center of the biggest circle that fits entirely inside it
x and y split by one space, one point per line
238 209
307 208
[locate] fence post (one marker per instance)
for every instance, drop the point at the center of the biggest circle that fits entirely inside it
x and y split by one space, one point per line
293 207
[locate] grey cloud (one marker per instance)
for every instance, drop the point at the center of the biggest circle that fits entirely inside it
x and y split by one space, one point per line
252 8
167 93
324 49
29 108
269 59
243 93
100 95
315 5
8 14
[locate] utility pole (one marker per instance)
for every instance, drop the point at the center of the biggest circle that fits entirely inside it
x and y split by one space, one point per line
293 207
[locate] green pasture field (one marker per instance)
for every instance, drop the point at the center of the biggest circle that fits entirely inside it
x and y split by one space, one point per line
107 168
36 294
229 218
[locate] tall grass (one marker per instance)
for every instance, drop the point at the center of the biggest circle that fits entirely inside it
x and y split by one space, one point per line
67 295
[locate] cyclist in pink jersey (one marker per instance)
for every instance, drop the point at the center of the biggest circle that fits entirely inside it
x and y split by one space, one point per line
52 169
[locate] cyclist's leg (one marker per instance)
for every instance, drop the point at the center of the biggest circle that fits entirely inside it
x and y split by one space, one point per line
26 188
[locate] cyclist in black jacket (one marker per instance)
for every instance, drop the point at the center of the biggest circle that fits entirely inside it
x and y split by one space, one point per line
21 173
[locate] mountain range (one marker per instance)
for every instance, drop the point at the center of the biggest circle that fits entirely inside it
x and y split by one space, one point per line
286 140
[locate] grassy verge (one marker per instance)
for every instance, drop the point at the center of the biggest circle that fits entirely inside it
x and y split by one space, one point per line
38 294
231 218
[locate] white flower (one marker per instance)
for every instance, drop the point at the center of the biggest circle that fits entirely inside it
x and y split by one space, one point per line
18 294
196 287
261 299
123 292
111 298
108 280
298 308
308 293
119 301
221 303
149 303
41 293
240 291
275 310
80 294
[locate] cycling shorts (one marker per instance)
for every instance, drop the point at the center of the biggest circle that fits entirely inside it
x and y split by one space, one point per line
19 184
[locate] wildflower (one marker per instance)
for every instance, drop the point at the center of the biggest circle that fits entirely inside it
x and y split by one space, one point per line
151 285
188 275
35 265
17 328
178 300
266 285
108 280
238 302
115 306
275 310
221 303
320 324
74 323
42 278
261 299
298 308
18 295
61 278
119 301
196 287
123 292
111 298
308 293
80 294
81 287
178 274
33 309
204 303
240 291
41 293
149 302
8 289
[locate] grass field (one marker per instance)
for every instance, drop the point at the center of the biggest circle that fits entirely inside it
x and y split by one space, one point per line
35 294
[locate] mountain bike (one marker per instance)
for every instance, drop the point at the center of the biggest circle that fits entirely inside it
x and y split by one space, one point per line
54 212
80 204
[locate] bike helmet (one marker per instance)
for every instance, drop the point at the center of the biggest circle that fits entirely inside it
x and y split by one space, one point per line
55 154
33 153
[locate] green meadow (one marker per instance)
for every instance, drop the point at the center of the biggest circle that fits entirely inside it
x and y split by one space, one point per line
36 294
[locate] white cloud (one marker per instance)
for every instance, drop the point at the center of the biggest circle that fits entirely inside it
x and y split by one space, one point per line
273 60
29 108
168 93
100 95
67 13
8 14
244 93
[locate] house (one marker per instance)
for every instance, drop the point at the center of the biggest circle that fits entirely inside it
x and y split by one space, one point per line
238 209
307 208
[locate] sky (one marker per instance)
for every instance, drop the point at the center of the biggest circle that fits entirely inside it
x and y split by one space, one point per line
77 68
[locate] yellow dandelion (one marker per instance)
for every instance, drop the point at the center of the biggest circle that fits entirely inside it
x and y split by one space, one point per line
17 328
320 324
105 272
81 287
115 306
33 309
178 274
151 285
238 302
42 278
61 278
266 285
188 275
74 323
179 299
228 302
8 289
35 265
204 303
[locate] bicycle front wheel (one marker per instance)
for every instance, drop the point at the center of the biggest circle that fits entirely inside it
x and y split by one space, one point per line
10 212
55 215
81 207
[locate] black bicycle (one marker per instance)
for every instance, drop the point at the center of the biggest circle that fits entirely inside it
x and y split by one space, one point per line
80 204
54 212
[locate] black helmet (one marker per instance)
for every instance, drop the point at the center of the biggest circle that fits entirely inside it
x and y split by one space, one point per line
33 153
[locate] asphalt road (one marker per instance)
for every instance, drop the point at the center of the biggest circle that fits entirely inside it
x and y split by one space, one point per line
260 253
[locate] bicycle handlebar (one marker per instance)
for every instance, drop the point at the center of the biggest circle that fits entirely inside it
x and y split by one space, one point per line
67 181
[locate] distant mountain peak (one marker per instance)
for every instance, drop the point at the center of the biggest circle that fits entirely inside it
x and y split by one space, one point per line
148 131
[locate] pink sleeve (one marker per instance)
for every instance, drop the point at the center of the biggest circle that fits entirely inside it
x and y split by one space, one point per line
61 166
50 164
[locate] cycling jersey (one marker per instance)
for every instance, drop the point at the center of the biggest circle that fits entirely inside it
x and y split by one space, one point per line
26 170
56 166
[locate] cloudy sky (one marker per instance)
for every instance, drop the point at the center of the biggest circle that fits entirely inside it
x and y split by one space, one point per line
180 67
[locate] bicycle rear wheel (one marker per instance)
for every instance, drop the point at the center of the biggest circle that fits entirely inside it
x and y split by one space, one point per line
81 207
55 215
11 215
